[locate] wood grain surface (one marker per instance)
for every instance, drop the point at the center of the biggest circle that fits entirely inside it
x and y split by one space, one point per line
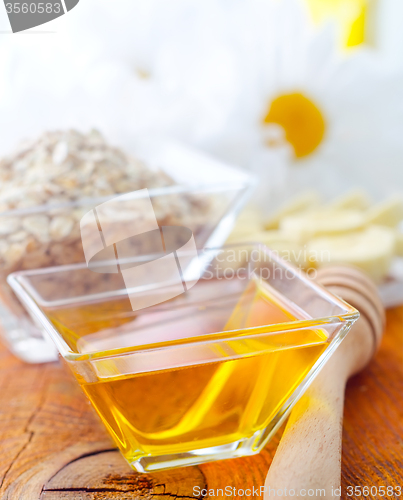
53 446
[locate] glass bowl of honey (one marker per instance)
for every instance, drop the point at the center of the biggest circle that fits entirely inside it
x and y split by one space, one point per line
209 374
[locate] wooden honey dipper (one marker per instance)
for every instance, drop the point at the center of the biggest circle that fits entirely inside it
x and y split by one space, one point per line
309 453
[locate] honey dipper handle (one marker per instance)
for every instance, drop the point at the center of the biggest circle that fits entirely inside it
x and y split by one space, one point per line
309 454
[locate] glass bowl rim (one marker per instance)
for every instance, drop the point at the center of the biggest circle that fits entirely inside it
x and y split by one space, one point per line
349 316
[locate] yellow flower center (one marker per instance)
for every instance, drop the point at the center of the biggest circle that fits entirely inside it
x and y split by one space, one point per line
301 119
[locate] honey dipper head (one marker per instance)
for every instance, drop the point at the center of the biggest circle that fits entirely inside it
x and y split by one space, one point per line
356 288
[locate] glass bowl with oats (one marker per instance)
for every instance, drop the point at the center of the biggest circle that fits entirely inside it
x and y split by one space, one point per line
47 185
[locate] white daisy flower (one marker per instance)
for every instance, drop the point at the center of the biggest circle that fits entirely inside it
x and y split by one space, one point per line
337 111
126 67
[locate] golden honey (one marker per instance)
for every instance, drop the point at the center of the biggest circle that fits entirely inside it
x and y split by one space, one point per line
187 408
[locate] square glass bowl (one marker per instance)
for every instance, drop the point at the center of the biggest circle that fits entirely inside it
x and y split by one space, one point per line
208 375
206 198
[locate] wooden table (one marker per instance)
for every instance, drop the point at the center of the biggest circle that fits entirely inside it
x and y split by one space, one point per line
54 448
